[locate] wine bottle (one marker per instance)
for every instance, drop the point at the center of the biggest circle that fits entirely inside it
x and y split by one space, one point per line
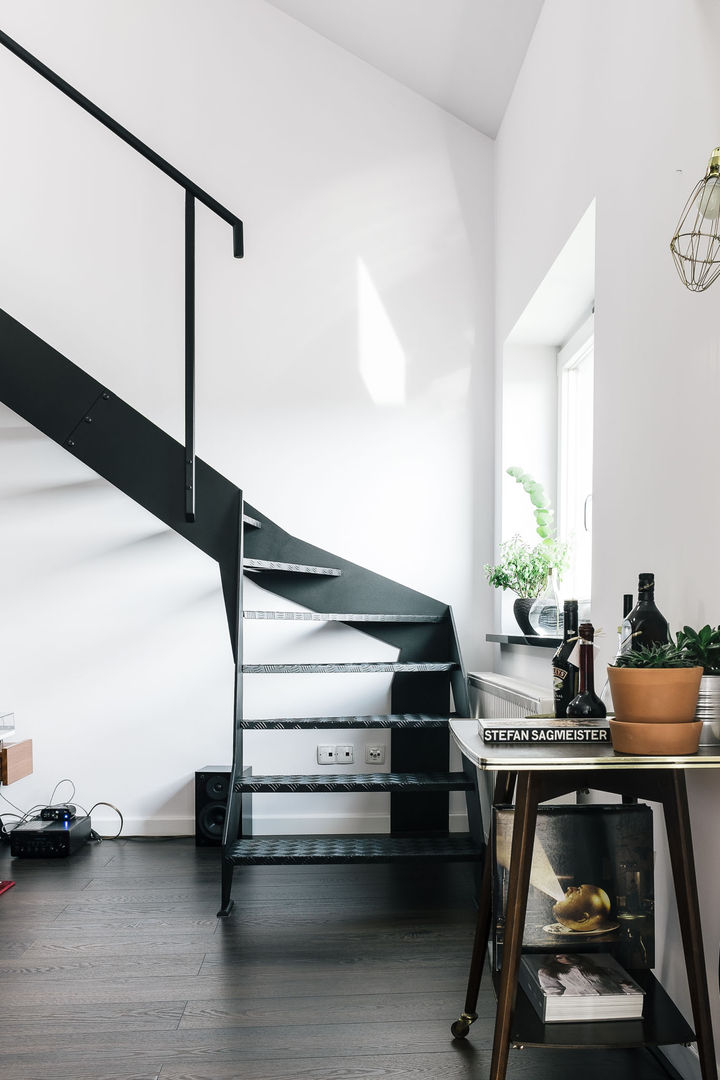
644 625
565 674
586 704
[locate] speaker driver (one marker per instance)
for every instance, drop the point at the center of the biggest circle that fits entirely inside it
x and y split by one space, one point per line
210 822
217 787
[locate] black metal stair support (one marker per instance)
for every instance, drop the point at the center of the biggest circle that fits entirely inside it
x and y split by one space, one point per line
189 496
350 849
387 720
260 785
428 677
140 459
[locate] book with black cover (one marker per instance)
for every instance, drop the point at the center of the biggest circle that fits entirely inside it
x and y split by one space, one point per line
543 730
579 986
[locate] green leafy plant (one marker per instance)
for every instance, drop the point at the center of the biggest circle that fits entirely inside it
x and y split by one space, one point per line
655 656
522 568
702 647
542 508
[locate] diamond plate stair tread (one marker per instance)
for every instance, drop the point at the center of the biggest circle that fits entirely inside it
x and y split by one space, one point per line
290 568
321 616
387 720
437 781
332 669
348 849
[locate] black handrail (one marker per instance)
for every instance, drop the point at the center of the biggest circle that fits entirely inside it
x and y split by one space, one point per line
192 192
128 137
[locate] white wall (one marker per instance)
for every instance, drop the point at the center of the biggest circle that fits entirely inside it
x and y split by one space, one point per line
621 102
368 219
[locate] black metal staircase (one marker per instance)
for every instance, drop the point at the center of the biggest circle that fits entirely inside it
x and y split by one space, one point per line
166 478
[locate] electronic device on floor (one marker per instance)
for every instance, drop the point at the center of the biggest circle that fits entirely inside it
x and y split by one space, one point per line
60 812
39 839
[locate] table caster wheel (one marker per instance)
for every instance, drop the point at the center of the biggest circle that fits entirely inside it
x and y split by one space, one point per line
462 1025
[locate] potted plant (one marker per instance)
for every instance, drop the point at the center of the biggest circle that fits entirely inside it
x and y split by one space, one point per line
655 692
703 648
525 570
529 570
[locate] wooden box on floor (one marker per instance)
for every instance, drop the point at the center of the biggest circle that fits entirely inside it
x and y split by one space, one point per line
15 761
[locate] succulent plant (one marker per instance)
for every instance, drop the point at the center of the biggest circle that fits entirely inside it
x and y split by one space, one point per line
702 647
655 656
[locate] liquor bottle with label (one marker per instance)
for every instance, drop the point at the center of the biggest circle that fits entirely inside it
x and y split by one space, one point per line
586 704
565 674
644 625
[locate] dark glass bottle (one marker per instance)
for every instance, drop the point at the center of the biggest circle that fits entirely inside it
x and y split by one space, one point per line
565 674
644 625
586 704
627 608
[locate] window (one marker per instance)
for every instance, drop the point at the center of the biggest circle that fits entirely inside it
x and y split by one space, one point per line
575 459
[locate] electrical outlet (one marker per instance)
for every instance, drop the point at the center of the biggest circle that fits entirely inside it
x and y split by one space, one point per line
326 755
344 754
374 755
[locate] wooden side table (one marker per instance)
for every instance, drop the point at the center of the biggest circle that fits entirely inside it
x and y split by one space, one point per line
537 773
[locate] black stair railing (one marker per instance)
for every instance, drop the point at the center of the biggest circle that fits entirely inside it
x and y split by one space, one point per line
140 459
193 193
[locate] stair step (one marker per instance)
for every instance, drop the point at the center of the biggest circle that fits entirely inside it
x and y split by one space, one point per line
388 720
351 849
290 568
321 616
438 781
251 522
333 669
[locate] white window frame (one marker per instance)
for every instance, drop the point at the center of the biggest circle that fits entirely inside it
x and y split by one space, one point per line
575 363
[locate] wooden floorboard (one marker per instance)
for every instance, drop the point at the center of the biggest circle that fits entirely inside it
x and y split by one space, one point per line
113 966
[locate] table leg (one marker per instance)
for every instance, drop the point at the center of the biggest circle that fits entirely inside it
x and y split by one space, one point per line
526 806
504 785
677 822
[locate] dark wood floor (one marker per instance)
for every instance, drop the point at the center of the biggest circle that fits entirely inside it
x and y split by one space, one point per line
113 965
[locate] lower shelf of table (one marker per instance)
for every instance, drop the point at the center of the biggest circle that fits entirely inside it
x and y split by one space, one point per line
662 1024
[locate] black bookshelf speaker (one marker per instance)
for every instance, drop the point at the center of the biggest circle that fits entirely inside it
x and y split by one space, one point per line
212 784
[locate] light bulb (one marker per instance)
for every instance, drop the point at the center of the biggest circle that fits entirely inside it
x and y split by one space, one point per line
710 199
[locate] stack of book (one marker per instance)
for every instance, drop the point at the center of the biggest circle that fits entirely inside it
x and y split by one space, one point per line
579 986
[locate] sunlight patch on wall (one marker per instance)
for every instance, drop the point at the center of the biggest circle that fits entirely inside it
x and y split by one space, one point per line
382 360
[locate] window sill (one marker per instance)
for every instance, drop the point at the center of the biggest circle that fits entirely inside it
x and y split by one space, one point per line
534 641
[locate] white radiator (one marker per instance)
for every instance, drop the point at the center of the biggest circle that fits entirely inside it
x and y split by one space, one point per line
494 695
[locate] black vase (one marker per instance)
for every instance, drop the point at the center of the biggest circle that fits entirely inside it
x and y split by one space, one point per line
521 611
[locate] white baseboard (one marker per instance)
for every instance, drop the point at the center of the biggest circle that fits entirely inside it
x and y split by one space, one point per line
175 826
263 825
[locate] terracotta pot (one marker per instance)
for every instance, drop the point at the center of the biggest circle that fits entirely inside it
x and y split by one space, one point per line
655 710
655 738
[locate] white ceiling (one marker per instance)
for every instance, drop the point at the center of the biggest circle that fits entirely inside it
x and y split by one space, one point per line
464 55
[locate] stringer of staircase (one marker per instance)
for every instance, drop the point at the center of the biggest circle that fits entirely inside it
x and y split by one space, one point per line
189 496
143 461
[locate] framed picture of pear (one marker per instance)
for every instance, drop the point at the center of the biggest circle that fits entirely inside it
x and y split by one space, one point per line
591 882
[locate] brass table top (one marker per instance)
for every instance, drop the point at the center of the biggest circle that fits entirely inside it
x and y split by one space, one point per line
521 757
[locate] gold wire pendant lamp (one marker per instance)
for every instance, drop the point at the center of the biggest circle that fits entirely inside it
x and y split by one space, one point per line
696 244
